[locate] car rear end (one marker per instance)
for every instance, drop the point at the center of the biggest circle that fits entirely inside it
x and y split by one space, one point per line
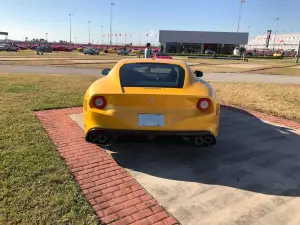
154 99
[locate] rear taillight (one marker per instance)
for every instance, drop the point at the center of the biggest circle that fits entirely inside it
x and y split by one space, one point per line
99 102
204 104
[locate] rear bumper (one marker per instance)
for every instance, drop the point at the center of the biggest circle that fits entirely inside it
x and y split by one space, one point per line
93 134
146 132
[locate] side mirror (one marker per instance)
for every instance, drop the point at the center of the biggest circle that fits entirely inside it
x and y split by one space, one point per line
198 73
105 71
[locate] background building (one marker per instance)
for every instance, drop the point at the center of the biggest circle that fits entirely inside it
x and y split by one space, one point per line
199 41
281 42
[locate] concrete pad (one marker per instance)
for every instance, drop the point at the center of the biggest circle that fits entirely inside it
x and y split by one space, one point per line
110 61
296 67
246 66
193 63
251 176
30 59
92 61
78 118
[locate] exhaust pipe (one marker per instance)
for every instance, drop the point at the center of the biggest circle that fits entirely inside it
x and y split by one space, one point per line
94 138
199 141
102 138
208 140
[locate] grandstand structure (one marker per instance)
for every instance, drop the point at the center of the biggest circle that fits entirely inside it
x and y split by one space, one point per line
282 42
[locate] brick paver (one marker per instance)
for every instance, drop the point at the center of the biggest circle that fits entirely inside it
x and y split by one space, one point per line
113 193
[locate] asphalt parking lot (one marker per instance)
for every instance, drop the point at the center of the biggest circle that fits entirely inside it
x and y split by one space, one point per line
250 177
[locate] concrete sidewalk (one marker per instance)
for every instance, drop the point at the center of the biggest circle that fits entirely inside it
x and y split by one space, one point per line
222 77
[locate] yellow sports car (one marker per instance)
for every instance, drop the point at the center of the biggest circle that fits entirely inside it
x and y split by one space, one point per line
151 97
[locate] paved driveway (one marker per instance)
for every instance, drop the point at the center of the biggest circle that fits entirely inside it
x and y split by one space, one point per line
252 175
223 77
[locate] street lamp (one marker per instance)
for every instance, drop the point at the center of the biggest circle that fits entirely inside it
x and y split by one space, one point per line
111 7
241 2
275 33
89 22
70 26
101 36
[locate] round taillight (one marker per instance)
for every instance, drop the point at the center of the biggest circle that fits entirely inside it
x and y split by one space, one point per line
203 104
99 102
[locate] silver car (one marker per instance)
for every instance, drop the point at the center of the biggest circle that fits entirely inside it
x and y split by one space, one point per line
8 48
91 51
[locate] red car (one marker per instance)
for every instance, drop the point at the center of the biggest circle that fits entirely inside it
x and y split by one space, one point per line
62 49
160 55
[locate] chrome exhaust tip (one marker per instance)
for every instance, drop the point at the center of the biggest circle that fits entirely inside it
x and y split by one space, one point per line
199 141
102 138
208 140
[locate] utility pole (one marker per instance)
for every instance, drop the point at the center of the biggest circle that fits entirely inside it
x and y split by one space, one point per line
111 8
70 27
101 36
298 53
275 33
241 2
89 22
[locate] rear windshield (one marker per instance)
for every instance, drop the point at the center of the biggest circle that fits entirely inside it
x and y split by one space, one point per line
152 75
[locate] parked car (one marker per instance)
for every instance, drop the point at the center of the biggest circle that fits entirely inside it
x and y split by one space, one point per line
44 49
209 51
110 50
197 97
91 51
62 49
2 47
136 50
123 52
8 48
160 55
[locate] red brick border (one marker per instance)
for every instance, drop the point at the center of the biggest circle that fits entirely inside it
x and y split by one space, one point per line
114 194
117 198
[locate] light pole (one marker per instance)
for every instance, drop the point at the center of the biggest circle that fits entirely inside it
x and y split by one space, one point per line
70 27
241 2
74 40
89 22
298 53
111 7
275 33
101 36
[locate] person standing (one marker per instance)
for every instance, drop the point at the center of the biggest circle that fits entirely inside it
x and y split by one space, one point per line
148 50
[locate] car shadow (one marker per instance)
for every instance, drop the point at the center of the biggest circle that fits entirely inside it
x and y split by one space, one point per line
250 155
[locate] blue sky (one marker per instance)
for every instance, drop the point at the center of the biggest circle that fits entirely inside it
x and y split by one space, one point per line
33 18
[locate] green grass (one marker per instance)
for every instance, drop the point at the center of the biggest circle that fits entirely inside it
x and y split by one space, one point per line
273 99
36 186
